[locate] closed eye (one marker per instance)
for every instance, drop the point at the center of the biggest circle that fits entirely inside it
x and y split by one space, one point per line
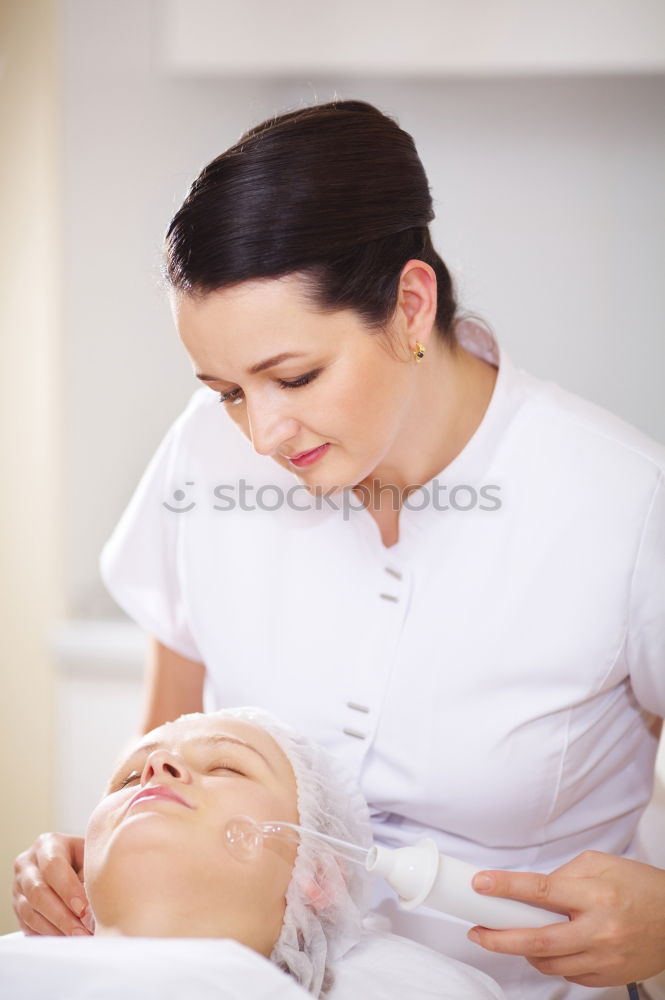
135 775
232 397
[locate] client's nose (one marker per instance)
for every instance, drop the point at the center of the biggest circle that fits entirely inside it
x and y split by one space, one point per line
164 762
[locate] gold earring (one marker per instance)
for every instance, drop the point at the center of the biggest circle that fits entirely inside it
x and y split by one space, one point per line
419 352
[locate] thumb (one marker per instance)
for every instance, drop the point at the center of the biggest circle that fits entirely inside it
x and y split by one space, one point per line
76 847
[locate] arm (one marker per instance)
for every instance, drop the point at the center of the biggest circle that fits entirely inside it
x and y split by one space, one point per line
173 686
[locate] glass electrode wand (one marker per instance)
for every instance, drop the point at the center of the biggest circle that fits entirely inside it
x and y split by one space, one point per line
420 875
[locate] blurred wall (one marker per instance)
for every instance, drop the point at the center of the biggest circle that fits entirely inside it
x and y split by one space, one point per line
31 597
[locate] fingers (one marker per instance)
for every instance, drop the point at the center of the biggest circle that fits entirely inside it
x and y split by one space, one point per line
582 969
571 967
40 910
32 922
54 855
615 931
555 892
76 853
550 941
48 896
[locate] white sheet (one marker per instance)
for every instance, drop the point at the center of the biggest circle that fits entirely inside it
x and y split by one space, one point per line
382 967
124 968
385 966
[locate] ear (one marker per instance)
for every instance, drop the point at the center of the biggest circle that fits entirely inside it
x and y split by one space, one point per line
316 896
319 891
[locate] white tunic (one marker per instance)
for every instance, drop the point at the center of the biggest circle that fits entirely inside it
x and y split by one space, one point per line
491 678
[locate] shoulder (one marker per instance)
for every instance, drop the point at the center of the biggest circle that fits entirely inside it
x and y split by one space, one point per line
204 430
582 437
203 410
205 439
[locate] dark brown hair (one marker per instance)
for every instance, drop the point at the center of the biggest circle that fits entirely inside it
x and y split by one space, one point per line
335 192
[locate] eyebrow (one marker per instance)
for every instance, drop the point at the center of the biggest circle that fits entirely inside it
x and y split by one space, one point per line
259 367
206 740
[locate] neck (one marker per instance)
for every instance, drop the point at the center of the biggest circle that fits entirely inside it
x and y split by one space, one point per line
163 912
451 395
153 918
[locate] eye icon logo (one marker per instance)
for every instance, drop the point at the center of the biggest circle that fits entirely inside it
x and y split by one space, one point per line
179 496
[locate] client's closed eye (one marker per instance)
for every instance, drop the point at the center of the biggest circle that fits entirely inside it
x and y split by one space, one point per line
125 781
227 767
135 775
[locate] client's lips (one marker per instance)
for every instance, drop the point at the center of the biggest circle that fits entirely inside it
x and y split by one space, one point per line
158 792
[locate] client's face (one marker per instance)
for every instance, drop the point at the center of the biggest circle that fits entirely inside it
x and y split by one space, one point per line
158 867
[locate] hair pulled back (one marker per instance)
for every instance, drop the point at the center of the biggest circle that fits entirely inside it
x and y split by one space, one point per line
335 192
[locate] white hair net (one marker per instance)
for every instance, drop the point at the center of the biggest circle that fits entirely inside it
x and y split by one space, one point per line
327 896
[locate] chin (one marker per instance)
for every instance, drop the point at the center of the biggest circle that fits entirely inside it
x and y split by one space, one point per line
330 489
333 483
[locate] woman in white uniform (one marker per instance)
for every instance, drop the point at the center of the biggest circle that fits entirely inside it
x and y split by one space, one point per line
450 573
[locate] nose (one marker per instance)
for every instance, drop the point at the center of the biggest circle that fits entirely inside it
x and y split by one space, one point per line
270 426
164 763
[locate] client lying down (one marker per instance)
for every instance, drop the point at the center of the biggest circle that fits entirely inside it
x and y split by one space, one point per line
158 867
157 864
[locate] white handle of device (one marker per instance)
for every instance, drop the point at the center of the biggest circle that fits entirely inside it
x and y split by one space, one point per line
422 877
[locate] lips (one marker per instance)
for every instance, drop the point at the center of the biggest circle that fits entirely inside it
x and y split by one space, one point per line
158 792
309 457
301 454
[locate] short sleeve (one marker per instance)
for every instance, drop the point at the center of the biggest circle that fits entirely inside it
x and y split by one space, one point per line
646 622
139 563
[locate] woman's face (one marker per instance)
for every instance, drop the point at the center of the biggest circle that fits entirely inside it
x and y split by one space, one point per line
158 866
357 394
